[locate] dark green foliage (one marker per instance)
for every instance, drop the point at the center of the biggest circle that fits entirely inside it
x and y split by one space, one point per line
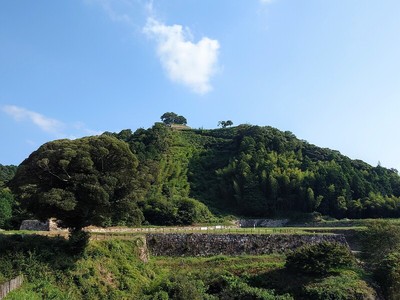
387 275
319 259
381 250
226 287
225 124
88 181
379 240
77 241
32 255
172 118
255 172
245 170
6 203
7 173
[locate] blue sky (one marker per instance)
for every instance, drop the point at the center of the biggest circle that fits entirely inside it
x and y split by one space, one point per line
328 71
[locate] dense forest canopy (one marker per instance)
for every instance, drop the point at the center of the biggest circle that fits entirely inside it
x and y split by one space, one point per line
7 172
177 176
260 171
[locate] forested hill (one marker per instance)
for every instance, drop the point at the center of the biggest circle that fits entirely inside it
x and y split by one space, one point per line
259 171
165 176
7 172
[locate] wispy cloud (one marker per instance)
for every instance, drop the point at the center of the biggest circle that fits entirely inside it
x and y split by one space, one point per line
117 10
266 1
191 64
81 127
52 126
46 124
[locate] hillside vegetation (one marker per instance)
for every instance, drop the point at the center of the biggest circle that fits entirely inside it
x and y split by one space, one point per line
177 176
258 172
111 269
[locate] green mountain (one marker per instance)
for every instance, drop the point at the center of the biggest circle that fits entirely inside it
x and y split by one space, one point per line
259 172
179 174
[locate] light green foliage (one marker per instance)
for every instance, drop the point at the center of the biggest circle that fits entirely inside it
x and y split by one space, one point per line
105 270
344 286
164 157
179 287
111 269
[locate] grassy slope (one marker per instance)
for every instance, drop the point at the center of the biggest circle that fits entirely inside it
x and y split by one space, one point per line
106 270
110 269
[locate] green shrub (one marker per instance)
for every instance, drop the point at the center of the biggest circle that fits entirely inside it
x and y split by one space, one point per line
380 239
179 287
233 288
388 275
319 259
345 286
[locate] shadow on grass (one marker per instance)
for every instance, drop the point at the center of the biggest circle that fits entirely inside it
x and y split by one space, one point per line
29 254
282 281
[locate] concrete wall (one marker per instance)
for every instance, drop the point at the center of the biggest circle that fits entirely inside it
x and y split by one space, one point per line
11 285
177 244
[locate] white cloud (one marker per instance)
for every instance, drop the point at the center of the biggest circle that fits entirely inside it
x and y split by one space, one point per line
49 125
188 63
46 124
266 1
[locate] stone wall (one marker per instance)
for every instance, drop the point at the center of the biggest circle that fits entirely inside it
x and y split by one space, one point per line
177 244
36 225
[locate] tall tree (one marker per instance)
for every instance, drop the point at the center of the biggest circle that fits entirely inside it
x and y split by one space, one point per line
83 182
172 118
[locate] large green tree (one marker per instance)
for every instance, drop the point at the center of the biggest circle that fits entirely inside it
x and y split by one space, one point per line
88 181
172 118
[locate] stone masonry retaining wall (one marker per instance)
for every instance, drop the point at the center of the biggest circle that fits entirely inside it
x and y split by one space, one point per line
179 244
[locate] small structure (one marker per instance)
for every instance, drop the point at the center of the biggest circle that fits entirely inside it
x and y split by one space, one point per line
179 127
